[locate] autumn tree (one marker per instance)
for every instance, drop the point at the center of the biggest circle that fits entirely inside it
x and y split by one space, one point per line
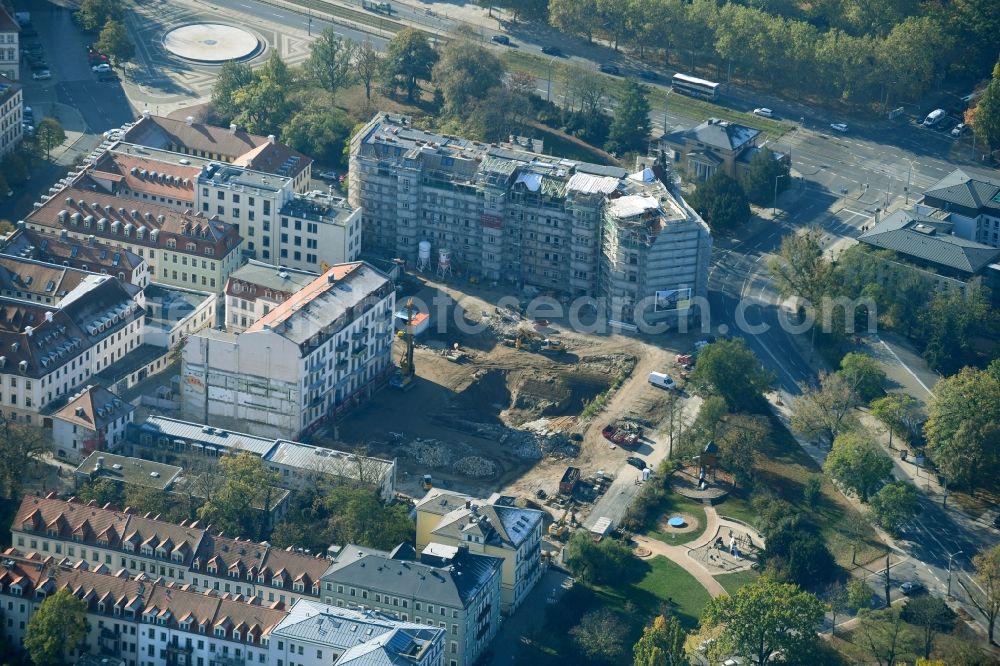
986 121
856 462
49 134
600 635
93 14
21 449
115 43
986 595
56 628
242 505
730 370
408 58
661 644
899 412
885 635
823 413
764 617
932 616
466 72
599 562
801 270
894 504
740 440
863 374
331 61
232 76
367 64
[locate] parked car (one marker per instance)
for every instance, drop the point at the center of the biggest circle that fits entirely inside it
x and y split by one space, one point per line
763 112
609 68
95 58
912 587
661 380
501 39
107 77
38 65
103 67
43 75
28 112
839 127
327 175
552 50
648 75
636 462
958 130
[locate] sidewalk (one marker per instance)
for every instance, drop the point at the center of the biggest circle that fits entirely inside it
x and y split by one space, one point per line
681 554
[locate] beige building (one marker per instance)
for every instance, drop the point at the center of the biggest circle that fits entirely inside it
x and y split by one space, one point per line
713 146
69 252
495 527
256 288
11 113
458 206
10 47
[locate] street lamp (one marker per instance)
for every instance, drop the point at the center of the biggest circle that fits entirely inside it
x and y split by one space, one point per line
548 87
774 208
950 557
909 172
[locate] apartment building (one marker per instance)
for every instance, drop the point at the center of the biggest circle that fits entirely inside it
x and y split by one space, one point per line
971 202
11 104
92 420
256 288
10 48
71 253
182 249
297 465
494 527
523 218
185 553
172 314
318 352
47 352
140 621
37 281
446 586
147 175
315 634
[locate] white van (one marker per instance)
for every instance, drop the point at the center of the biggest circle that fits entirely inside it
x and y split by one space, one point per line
661 380
934 117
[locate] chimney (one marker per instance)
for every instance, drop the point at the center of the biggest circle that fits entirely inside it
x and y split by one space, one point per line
28 330
232 128
271 138
189 120
48 316
145 113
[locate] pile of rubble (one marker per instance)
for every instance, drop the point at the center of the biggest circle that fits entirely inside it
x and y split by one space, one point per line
429 452
476 467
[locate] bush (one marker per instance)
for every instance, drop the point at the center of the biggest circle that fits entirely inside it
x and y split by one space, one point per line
597 562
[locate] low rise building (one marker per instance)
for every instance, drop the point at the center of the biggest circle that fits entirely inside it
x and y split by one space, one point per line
297 465
447 586
182 249
256 288
11 101
93 420
714 146
85 255
973 203
494 527
126 471
320 351
173 313
315 634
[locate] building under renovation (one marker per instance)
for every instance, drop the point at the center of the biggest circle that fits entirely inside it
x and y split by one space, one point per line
503 213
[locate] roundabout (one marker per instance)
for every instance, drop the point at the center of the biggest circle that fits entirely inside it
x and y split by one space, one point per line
211 43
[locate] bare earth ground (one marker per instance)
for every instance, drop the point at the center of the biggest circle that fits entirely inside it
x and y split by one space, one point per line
459 422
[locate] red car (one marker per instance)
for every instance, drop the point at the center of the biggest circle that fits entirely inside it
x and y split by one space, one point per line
626 436
95 58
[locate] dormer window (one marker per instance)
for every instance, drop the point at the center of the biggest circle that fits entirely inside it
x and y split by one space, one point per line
277 582
147 551
129 546
171 243
220 632
212 569
186 625
209 251
236 635
297 587
196 565
191 247
315 589
52 531
177 557
100 607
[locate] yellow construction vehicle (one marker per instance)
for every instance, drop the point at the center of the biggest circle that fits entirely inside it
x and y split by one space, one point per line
426 483
559 528
403 379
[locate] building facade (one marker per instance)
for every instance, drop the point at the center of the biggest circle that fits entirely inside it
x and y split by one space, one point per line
11 104
93 420
86 255
256 288
172 314
448 587
452 205
10 47
318 352
973 204
494 527
714 146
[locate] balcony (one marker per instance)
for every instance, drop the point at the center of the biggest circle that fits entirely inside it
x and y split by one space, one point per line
359 350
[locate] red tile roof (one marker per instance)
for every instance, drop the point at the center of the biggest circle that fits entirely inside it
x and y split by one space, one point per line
95 408
316 288
153 177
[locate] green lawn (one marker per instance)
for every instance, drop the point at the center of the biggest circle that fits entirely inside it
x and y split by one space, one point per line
670 505
658 581
783 470
734 581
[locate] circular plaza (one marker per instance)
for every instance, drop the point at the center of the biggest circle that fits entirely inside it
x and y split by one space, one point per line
211 43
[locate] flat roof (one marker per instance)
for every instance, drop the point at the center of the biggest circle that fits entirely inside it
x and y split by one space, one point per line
166 305
123 469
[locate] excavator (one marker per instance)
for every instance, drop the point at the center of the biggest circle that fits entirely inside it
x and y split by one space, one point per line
403 378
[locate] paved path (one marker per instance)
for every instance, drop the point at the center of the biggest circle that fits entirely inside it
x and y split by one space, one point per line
680 554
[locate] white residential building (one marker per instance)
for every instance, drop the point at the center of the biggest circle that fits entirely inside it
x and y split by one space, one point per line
10 48
256 288
323 349
93 420
11 109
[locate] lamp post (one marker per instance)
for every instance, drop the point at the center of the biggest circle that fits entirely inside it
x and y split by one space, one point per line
909 173
774 208
548 87
950 557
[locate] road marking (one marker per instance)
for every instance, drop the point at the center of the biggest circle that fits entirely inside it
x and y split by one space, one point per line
906 367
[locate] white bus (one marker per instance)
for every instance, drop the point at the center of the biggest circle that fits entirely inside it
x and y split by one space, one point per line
694 87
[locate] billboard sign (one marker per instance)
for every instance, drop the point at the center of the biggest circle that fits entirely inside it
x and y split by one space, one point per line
673 299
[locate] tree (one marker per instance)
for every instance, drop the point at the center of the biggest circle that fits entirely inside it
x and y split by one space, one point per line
367 64
796 553
21 448
241 506
986 596
838 601
859 595
986 121
764 617
884 634
764 176
408 58
962 430
739 444
465 73
56 628
331 61
801 270
93 14
49 134
932 615
630 127
863 374
894 504
115 43
728 369
232 77
899 413
14 169
823 413
357 515
855 528
102 491
600 635
948 324
661 644
601 562
574 17
319 133
857 463
721 202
